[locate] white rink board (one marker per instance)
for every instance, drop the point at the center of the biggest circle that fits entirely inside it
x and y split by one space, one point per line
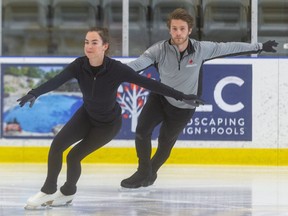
270 109
283 101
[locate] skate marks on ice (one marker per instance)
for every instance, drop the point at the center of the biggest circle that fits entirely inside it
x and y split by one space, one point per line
196 201
159 201
179 190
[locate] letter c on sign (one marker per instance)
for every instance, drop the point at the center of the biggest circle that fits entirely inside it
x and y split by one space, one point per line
218 94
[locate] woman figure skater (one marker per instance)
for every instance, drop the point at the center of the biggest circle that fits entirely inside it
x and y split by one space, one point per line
97 121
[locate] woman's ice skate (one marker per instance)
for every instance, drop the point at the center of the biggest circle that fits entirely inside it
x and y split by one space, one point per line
40 200
61 200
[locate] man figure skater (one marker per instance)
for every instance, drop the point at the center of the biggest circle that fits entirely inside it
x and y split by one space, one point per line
179 61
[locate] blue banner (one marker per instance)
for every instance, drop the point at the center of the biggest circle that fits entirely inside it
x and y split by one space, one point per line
227 90
227 114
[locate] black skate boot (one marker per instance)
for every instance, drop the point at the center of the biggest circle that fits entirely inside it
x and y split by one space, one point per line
138 180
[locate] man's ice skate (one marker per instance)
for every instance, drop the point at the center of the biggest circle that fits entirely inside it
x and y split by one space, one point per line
39 200
138 180
61 199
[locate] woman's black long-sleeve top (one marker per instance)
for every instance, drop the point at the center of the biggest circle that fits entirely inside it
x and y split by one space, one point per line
100 90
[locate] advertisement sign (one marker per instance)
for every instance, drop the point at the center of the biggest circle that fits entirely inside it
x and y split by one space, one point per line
49 112
227 114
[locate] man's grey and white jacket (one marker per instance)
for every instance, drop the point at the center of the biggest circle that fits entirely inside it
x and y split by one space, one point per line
185 74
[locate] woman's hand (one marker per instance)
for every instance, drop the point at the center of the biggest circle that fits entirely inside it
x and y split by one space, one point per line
27 98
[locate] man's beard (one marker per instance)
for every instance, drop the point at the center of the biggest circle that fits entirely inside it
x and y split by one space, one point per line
182 41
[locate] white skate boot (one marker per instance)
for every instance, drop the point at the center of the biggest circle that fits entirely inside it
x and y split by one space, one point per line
39 199
61 200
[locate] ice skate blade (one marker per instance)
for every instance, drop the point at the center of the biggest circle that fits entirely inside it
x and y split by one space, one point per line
46 205
68 203
136 190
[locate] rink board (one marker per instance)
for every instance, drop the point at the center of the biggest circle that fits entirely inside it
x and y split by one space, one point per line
268 144
234 156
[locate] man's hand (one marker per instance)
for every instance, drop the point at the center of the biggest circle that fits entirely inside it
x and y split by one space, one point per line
268 46
193 100
27 98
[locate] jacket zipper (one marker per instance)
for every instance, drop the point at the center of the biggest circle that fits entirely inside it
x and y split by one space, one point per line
94 81
179 61
93 85
178 58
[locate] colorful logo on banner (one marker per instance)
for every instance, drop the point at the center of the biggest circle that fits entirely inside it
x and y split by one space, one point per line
227 114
